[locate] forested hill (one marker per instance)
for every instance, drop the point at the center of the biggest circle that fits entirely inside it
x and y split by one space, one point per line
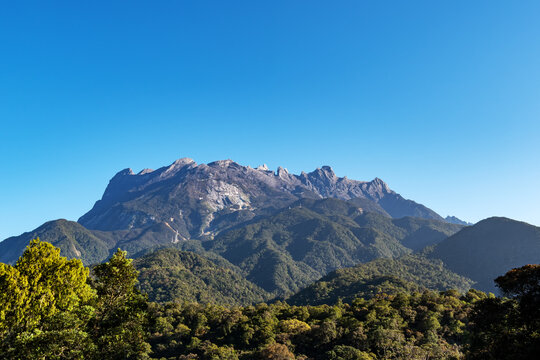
91 246
382 276
174 275
489 248
72 238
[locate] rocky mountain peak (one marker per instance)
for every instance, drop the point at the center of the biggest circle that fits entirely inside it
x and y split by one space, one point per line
222 163
381 185
180 163
177 166
124 172
183 161
281 172
323 176
207 198
145 171
327 169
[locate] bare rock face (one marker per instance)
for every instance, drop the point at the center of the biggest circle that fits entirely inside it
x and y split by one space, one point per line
455 220
199 201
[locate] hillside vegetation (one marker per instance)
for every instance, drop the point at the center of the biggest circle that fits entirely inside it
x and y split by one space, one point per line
174 275
74 239
287 251
382 276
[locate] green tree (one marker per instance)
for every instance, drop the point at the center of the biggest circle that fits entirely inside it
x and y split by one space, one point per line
13 298
44 306
523 284
505 328
276 351
55 284
345 352
213 352
121 311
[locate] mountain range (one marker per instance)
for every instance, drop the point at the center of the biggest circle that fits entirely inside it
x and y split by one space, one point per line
199 201
277 233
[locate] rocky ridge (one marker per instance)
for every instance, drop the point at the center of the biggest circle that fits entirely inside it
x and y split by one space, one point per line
200 200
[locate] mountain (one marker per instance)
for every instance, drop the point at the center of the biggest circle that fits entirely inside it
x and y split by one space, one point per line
297 245
489 249
282 231
174 275
200 201
186 201
406 274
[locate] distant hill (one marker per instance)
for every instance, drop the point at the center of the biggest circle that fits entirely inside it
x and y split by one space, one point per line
489 249
413 233
91 246
406 274
174 275
286 251
73 239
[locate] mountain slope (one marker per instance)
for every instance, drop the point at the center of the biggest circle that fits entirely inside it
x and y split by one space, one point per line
293 248
406 274
174 275
72 238
299 244
489 249
199 201
91 246
413 233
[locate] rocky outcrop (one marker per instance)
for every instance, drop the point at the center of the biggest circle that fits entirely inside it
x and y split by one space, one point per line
455 220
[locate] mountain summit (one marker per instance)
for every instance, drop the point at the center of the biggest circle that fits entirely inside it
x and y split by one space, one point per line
200 200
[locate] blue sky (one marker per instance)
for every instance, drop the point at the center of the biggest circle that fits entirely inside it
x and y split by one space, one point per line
441 99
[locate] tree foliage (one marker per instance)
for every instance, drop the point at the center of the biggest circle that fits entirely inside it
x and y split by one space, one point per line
390 276
49 310
404 326
509 328
171 274
43 300
119 324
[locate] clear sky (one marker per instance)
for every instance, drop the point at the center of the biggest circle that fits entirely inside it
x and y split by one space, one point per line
441 99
